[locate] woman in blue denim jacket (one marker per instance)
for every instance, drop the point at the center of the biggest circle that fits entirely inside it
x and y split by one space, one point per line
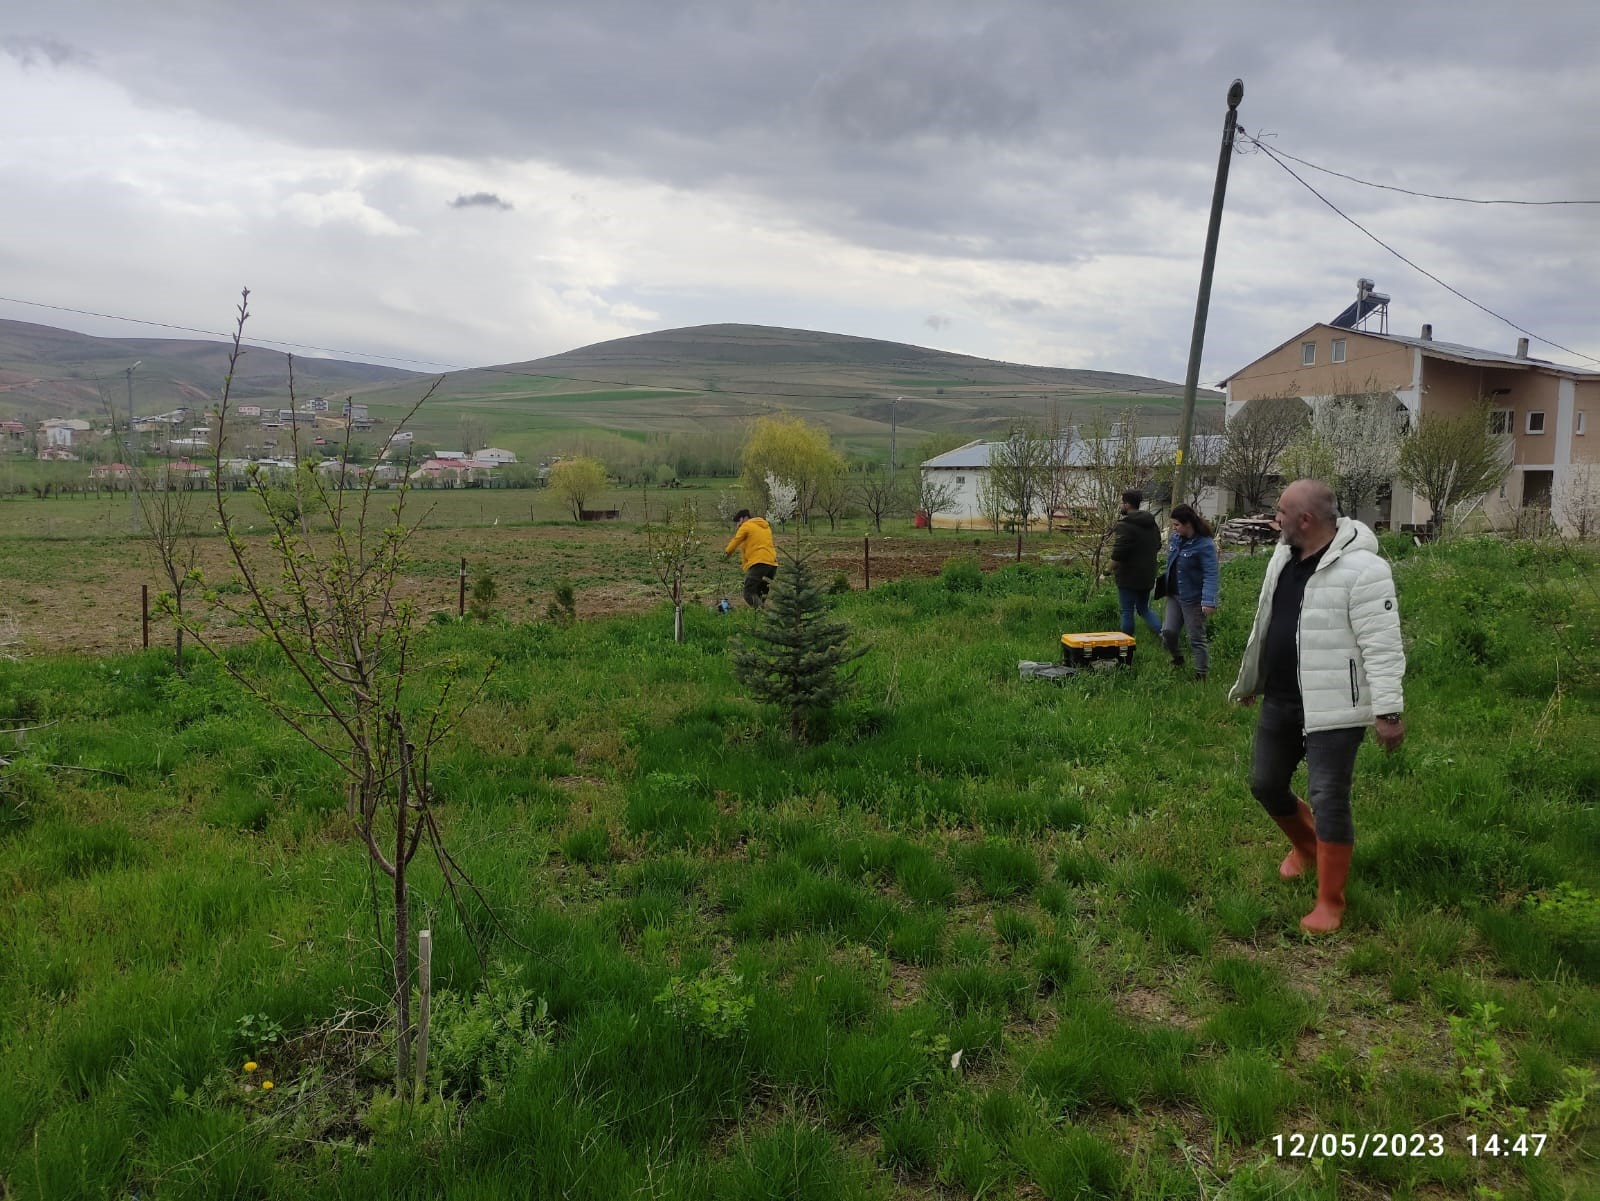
1191 587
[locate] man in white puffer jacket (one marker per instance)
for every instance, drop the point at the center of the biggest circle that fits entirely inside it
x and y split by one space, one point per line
1326 657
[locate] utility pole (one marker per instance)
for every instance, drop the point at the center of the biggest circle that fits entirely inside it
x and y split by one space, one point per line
1203 303
893 430
133 471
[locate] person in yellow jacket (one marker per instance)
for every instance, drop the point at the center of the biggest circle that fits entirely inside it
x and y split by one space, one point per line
758 557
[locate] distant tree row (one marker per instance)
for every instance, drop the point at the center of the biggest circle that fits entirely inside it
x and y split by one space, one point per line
657 458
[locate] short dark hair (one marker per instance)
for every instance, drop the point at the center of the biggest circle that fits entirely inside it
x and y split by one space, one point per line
1133 497
742 515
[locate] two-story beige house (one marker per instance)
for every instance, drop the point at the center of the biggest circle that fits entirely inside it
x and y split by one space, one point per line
1546 409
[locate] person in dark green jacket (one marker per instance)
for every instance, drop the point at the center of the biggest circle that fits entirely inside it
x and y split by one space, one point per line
1135 542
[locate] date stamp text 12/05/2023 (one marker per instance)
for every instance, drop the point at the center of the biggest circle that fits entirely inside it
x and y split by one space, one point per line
1301 1145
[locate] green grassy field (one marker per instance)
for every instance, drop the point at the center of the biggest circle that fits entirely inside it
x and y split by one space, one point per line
992 939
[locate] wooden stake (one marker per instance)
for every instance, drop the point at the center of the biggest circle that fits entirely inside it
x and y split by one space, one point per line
144 614
866 562
461 598
424 995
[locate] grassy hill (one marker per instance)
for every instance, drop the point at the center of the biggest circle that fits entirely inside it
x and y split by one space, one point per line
49 372
681 379
672 380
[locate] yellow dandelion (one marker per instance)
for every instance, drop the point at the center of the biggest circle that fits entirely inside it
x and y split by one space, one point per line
266 1084
251 1066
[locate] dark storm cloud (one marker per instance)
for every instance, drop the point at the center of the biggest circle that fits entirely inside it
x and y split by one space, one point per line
35 51
918 88
481 200
1035 131
1013 125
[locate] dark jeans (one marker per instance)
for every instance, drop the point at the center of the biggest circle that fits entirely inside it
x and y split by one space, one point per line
756 582
1181 615
1330 755
1136 602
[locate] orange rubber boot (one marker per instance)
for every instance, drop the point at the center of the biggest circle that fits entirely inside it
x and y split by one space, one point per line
1302 833
1333 865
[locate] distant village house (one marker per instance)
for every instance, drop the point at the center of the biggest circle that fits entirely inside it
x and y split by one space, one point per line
1543 409
967 474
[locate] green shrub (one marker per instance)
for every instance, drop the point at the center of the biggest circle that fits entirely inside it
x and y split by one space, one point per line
961 574
477 1041
1395 546
480 605
1570 917
715 1004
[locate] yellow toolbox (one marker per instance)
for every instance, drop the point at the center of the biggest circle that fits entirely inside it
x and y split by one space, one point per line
1080 650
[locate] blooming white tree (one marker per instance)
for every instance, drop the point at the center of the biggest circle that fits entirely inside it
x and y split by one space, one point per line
782 498
1362 433
728 503
1577 501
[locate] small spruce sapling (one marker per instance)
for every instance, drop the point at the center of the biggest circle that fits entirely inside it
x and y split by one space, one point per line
481 606
795 658
563 610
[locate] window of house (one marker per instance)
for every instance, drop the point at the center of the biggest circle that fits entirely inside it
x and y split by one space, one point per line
961 479
1338 350
1308 354
1502 421
1582 423
1536 422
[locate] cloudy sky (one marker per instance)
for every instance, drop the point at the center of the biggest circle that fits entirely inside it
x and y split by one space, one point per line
475 182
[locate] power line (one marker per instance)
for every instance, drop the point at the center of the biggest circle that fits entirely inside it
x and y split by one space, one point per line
1405 191
1415 266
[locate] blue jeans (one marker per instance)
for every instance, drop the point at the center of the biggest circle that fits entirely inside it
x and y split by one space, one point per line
1182 615
1330 755
1136 602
